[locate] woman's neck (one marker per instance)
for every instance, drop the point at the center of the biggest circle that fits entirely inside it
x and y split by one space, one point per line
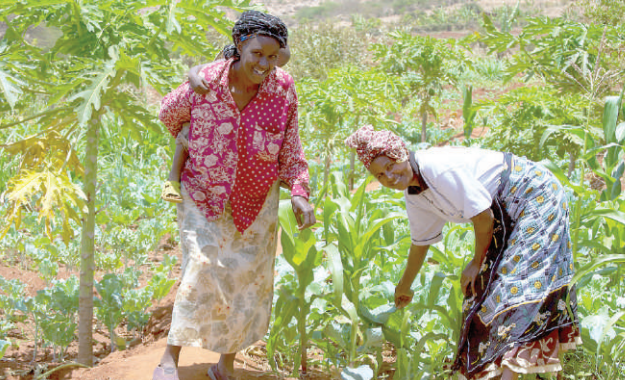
415 180
239 83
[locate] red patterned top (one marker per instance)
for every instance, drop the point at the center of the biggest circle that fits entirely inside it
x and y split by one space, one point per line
238 155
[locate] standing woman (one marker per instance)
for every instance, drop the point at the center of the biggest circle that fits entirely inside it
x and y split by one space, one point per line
516 317
243 139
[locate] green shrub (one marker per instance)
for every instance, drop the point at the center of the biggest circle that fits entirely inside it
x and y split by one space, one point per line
315 50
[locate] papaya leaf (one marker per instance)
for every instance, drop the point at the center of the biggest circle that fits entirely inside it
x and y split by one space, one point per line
90 98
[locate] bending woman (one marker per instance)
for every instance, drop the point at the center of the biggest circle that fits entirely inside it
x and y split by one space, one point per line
243 139
516 287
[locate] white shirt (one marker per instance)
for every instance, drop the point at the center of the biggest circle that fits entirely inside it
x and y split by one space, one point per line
462 183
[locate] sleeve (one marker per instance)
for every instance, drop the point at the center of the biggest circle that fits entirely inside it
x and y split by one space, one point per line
465 195
293 167
176 108
426 228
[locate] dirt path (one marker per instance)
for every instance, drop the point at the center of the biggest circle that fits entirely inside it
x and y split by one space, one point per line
138 364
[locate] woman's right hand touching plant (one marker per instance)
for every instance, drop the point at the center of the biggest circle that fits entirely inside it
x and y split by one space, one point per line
403 295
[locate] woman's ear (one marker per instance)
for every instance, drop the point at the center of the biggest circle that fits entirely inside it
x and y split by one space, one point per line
240 45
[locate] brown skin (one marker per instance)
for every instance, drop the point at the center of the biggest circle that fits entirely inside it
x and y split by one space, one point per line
259 56
200 86
398 176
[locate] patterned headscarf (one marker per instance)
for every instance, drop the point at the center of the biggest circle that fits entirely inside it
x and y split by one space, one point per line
370 144
253 23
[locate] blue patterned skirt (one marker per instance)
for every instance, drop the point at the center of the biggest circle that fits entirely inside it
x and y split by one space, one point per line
524 311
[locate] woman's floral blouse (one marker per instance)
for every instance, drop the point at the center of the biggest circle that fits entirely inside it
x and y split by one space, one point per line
235 155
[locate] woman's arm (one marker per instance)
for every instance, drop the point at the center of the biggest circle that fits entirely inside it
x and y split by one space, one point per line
403 294
483 227
293 167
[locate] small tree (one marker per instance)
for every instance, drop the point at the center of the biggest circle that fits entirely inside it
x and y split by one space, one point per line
424 64
108 54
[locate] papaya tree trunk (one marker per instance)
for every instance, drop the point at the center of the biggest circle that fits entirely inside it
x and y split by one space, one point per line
87 248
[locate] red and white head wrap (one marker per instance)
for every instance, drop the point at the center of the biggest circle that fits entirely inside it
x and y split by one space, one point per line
369 144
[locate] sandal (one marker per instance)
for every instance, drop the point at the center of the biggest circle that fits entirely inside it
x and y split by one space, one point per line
214 374
171 192
165 373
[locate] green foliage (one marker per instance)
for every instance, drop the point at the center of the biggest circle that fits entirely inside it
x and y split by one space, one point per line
4 345
571 56
333 108
610 12
489 68
424 65
108 55
355 231
301 252
317 49
121 298
519 119
335 285
108 73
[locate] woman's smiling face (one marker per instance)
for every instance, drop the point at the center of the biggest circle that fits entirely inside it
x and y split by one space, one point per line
390 173
259 56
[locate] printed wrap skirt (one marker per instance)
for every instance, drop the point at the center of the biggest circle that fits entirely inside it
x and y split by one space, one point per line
225 296
524 311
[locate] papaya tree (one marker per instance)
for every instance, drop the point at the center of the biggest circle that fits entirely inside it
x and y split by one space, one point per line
107 55
424 64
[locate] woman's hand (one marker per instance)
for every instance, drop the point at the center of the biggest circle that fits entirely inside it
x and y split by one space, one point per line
304 213
197 82
403 295
468 278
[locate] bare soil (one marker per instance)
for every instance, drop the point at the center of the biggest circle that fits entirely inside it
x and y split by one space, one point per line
135 363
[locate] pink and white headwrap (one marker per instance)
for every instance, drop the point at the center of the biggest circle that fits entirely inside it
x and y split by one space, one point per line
369 144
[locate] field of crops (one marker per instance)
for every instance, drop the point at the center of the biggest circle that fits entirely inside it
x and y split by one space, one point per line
83 157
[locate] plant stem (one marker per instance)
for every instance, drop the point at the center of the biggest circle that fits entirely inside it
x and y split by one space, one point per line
301 326
354 329
87 247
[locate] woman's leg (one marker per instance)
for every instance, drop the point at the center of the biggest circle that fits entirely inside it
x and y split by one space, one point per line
171 356
226 364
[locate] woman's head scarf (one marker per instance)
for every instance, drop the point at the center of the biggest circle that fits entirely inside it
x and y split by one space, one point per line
370 144
252 23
